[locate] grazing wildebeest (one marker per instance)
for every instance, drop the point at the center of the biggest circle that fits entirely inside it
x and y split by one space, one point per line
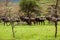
58 19
26 19
52 19
33 20
40 20
48 18
5 20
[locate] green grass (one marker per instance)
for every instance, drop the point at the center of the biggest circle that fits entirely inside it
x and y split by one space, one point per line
26 32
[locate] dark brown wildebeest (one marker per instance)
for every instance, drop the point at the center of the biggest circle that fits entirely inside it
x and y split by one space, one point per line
5 20
33 20
48 18
26 19
52 19
40 20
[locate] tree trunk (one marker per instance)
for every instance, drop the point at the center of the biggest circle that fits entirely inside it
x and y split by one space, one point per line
56 16
55 29
29 20
13 31
12 25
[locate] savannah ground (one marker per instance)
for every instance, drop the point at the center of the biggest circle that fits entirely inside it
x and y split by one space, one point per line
26 32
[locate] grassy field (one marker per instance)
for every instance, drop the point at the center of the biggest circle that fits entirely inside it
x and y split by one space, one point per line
26 32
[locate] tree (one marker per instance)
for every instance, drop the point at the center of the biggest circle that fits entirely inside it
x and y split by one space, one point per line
8 10
28 6
53 10
56 17
12 23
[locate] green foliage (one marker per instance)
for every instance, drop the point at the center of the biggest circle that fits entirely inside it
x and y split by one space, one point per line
28 6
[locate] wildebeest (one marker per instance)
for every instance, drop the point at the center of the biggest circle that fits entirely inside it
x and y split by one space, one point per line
40 20
52 19
26 19
48 18
5 20
33 20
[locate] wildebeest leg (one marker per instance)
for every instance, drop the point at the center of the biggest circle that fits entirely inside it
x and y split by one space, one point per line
0 21
44 22
4 23
17 23
34 22
48 21
8 24
39 23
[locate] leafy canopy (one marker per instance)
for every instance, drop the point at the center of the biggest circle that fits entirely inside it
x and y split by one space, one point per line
28 6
